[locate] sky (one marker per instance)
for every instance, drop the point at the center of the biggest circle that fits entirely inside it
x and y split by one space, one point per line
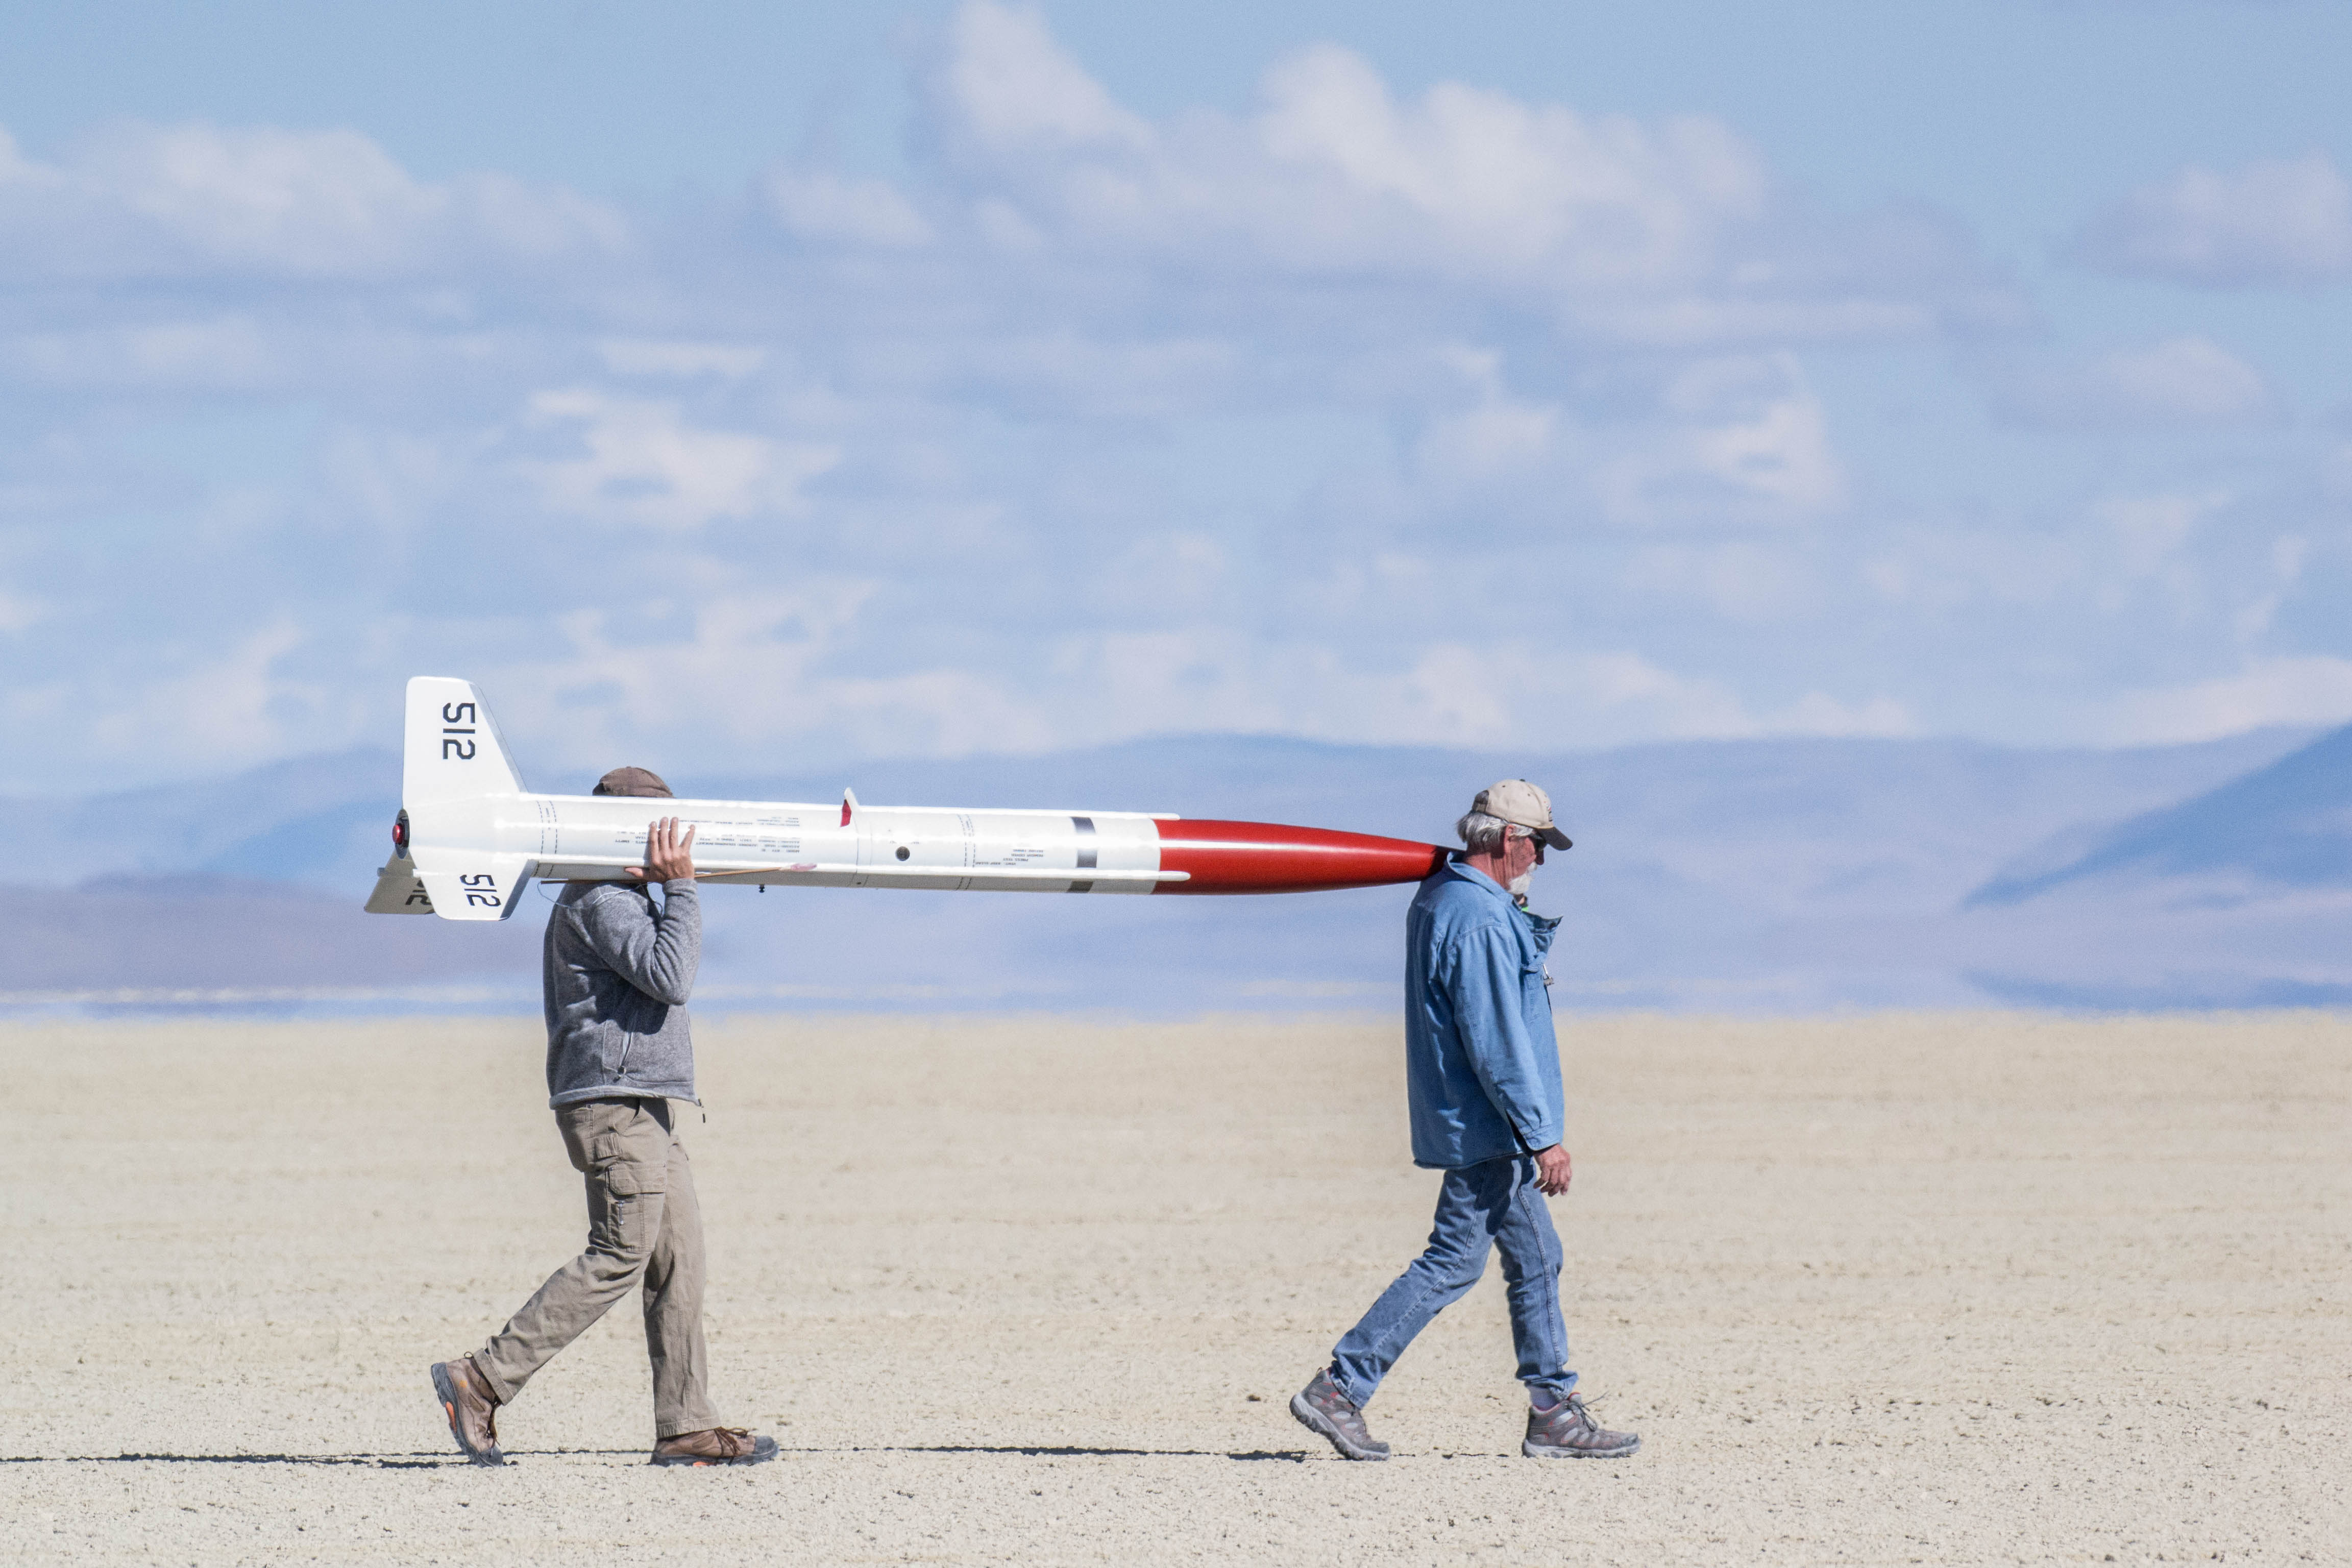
758 386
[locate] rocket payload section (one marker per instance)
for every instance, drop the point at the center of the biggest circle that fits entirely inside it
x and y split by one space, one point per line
470 838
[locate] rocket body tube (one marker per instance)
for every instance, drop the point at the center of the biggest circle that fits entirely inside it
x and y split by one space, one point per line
471 838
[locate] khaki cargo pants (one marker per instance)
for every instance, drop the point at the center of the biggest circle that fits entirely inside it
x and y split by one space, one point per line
644 1226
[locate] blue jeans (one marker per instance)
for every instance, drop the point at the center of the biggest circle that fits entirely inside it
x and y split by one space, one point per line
1493 1204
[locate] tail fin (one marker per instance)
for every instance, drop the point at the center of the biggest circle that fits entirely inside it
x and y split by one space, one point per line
455 775
452 749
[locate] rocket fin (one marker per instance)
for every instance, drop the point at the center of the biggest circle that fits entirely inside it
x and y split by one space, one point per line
398 890
457 780
477 886
451 748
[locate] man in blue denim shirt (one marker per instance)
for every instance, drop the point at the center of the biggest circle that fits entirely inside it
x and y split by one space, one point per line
1482 1070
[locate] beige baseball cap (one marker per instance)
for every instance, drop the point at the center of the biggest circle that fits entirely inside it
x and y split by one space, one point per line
1521 805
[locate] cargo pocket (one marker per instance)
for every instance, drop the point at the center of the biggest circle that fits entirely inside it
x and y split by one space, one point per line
626 1200
636 1179
629 1133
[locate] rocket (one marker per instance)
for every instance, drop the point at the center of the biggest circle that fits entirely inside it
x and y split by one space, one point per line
470 838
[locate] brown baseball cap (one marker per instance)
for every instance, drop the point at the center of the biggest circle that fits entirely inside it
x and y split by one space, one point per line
1522 805
632 780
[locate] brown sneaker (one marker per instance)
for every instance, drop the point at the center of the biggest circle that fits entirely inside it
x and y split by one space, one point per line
472 1408
1321 1408
1568 1431
715 1445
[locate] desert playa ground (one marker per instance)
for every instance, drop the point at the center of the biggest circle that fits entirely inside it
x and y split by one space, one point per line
1879 1289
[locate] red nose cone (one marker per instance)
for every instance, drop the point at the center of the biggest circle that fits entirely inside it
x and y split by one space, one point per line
1266 858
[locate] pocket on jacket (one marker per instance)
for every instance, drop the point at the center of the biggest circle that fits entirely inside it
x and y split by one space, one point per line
613 1058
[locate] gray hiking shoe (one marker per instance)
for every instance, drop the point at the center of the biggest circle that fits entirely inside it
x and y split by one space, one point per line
472 1407
715 1445
1568 1431
1322 1408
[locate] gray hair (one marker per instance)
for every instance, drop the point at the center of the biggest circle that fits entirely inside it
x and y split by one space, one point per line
1482 834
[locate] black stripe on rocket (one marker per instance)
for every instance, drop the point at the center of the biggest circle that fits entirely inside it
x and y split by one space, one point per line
1085 831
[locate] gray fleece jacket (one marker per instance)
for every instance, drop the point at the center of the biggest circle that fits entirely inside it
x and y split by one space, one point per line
617 970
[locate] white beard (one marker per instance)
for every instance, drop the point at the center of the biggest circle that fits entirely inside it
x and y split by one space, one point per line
1519 884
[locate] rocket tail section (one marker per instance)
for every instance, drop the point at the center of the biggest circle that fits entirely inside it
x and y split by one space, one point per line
398 888
463 887
457 779
450 747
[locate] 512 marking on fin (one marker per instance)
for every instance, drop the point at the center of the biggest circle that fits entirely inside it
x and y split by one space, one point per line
454 714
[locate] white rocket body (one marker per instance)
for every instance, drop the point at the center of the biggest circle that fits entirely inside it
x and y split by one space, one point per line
473 837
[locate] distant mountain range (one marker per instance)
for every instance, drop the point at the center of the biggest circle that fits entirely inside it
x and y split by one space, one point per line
1721 875
2285 826
2240 895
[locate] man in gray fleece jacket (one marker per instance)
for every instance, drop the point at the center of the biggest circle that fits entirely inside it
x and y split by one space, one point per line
617 969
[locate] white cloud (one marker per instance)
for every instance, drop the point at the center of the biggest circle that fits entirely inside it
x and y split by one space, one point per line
754 668
19 613
640 462
1017 90
309 201
196 199
1185 570
1679 706
2288 554
2314 690
1818 714
1490 439
1741 438
2182 381
1668 231
821 204
1494 434
1726 441
1699 708
1746 582
214 352
2276 222
1468 693
1626 687
2149 531
1472 180
222 706
17 170
1781 455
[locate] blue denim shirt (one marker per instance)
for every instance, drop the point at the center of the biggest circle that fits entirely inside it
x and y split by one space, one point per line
1482 1066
